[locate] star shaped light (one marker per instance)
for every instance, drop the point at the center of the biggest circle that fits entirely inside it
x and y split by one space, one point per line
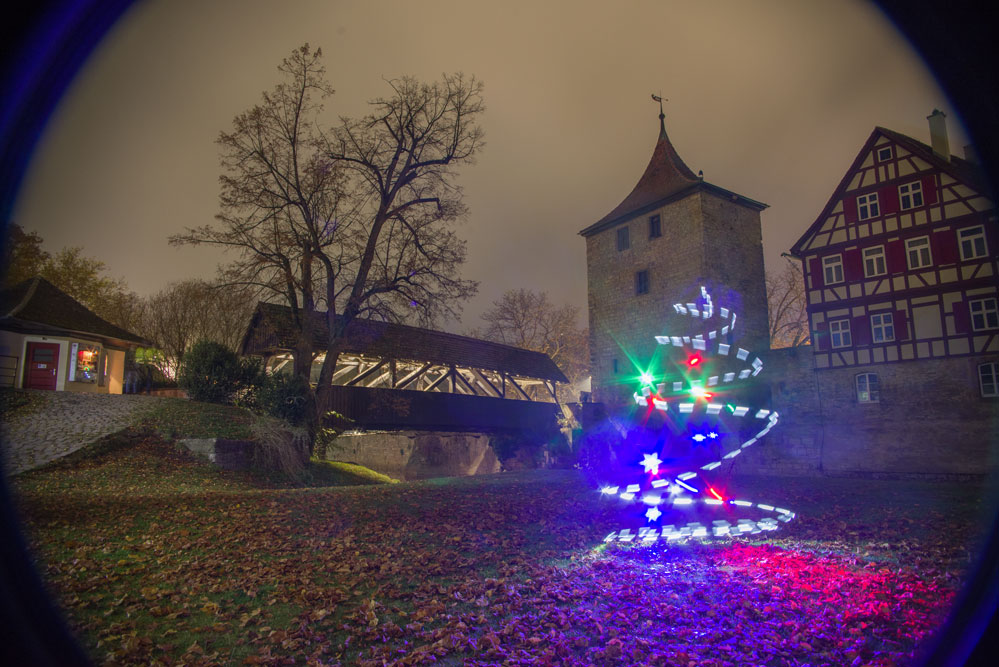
653 513
651 463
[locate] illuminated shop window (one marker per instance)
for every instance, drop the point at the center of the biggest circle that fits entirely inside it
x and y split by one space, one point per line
984 314
874 262
988 379
910 195
83 362
623 239
867 206
917 251
972 242
832 268
882 328
839 332
867 388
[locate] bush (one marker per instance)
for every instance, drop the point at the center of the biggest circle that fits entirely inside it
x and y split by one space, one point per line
285 397
212 373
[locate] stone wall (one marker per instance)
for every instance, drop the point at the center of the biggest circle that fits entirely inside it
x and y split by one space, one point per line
418 455
930 421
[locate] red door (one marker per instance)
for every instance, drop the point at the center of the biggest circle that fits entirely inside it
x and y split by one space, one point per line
43 365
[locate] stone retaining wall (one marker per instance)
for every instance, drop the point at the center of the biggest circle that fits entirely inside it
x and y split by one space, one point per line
418 455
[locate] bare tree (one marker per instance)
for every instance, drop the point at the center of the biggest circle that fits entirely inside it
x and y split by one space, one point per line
185 312
787 307
527 319
355 220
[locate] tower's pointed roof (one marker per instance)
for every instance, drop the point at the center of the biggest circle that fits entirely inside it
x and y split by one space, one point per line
666 177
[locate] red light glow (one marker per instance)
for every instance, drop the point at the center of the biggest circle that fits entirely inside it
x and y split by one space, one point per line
715 493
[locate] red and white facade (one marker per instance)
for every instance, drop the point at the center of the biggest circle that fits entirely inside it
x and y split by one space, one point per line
901 264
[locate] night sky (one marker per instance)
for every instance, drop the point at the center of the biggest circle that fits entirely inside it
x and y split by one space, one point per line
769 99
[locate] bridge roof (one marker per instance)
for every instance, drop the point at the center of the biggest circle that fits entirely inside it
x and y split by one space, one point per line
272 330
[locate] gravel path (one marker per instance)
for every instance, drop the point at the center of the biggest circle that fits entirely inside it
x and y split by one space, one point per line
64 423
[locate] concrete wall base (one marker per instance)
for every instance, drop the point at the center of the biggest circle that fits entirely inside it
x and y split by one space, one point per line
416 454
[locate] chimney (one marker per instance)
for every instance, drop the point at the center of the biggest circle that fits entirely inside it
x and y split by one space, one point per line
938 134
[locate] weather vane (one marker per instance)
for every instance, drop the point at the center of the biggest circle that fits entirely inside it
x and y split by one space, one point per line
659 98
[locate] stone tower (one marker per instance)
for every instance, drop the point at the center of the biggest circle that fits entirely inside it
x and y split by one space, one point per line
672 234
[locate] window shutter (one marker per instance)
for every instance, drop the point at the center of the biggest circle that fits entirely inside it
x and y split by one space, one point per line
815 271
850 209
860 330
888 199
901 325
896 256
853 266
929 189
945 246
821 337
962 317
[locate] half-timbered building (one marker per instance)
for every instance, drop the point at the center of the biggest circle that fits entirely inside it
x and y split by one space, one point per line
901 264
900 271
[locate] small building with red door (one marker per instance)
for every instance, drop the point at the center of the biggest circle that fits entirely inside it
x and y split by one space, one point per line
48 340
900 271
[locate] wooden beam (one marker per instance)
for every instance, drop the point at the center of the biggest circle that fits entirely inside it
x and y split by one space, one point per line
550 384
517 387
366 374
483 378
439 380
465 382
401 384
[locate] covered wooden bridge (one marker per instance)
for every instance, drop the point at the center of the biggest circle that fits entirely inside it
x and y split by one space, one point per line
394 376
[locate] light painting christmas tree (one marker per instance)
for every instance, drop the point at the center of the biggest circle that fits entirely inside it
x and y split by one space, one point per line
706 408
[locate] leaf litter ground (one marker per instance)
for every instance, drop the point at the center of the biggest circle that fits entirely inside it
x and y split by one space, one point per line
159 559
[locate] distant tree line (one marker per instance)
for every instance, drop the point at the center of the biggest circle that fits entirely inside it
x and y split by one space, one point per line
174 319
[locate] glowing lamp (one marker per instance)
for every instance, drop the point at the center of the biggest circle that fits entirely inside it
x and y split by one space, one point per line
653 513
651 463
646 378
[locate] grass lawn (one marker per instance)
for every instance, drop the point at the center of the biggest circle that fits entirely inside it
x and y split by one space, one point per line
160 559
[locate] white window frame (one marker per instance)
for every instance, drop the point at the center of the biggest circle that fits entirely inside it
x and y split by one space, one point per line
918 248
882 327
974 239
863 383
881 156
985 312
867 206
840 329
876 257
989 388
910 195
833 264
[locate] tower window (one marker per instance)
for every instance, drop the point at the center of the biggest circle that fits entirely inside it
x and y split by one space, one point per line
874 261
614 364
655 227
623 239
832 268
882 327
884 154
984 314
642 282
918 252
839 332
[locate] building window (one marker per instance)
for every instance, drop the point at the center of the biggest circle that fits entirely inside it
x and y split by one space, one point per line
84 362
882 328
642 282
839 332
615 365
884 154
867 206
972 242
910 195
867 388
988 379
832 268
984 314
918 252
623 239
874 262
655 227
